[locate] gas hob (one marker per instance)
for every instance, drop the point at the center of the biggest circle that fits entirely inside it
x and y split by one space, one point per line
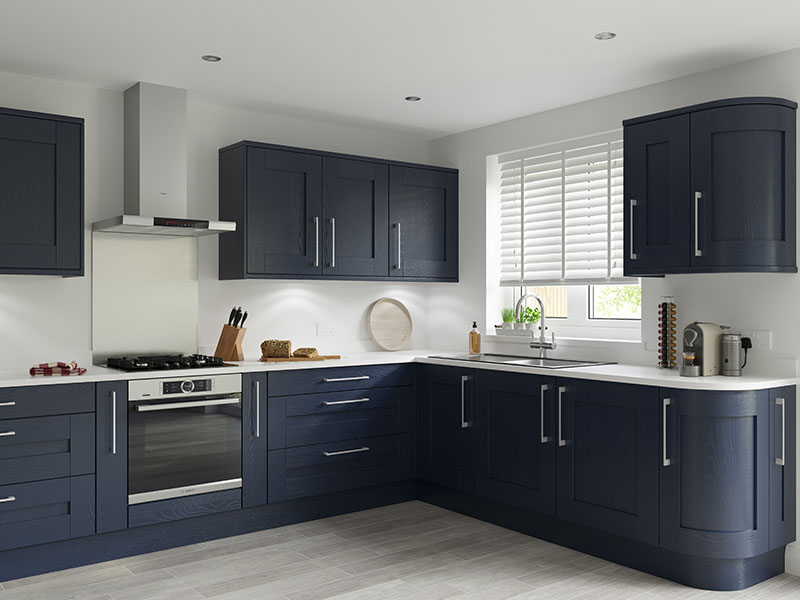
164 362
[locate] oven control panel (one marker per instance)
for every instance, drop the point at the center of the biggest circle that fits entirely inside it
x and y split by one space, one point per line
170 387
187 386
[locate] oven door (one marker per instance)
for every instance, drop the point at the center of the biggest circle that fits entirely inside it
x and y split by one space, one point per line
184 447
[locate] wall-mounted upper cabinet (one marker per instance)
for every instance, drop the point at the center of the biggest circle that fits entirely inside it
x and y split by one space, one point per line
306 214
711 188
41 194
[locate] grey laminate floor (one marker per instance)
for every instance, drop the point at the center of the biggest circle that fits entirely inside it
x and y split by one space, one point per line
411 550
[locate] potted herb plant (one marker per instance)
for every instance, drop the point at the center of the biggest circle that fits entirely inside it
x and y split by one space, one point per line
508 318
530 316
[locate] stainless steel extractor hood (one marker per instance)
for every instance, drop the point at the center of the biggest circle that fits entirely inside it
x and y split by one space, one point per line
155 129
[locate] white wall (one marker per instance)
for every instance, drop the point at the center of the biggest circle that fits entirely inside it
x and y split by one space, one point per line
290 309
757 301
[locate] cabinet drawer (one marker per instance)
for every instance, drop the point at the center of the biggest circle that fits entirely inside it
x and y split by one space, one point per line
337 416
307 381
46 448
48 399
46 511
336 466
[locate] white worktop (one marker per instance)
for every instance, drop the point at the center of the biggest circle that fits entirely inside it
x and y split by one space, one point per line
635 374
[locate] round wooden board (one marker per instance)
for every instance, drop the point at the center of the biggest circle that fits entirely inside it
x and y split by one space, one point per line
389 324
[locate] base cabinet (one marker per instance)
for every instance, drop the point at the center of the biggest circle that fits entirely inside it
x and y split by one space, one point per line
445 434
606 466
254 439
715 473
515 439
112 456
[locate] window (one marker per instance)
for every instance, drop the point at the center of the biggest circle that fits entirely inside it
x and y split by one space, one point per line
615 302
560 236
561 213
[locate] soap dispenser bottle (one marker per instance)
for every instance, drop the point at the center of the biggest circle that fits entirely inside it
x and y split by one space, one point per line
474 339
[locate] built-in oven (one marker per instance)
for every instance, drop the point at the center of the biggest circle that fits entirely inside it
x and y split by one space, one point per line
184 436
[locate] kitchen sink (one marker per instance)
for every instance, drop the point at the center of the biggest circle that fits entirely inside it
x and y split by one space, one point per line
521 361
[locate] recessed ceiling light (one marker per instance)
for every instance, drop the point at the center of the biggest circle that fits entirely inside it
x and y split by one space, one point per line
605 35
413 98
211 58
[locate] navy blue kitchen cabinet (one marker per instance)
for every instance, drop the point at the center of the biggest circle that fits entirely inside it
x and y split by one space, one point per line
308 214
112 456
607 457
715 470
41 194
423 212
656 186
711 188
516 439
355 212
445 437
254 439
782 468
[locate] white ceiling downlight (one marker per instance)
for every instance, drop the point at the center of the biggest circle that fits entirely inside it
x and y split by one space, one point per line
605 35
212 58
413 98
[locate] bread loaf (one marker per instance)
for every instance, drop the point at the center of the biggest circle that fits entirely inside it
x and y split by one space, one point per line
306 353
276 349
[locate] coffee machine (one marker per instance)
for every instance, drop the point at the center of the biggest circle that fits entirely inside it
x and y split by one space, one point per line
701 349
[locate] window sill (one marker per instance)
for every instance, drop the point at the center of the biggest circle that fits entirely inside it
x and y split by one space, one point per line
575 342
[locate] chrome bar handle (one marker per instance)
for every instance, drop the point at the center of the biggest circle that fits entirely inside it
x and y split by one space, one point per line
8 403
316 241
258 408
7 499
180 405
333 242
337 379
113 422
561 440
697 197
8 433
464 423
337 402
664 460
340 452
397 266
542 437
782 403
633 254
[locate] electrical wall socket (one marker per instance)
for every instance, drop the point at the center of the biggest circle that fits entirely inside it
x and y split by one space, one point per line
762 340
325 328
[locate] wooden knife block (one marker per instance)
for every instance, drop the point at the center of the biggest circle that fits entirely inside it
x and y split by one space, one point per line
229 346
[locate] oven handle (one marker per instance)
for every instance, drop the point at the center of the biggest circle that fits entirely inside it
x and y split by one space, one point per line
172 405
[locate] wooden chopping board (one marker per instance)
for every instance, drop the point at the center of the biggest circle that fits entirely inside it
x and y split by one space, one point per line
302 358
389 324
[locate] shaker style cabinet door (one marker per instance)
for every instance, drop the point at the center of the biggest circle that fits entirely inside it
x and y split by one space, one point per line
112 456
355 202
714 480
284 213
656 195
41 194
254 439
445 433
607 457
743 186
423 220
515 439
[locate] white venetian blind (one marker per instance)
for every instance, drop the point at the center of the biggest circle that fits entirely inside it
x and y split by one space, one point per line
561 213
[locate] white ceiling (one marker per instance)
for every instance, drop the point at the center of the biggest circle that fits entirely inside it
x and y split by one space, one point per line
473 62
